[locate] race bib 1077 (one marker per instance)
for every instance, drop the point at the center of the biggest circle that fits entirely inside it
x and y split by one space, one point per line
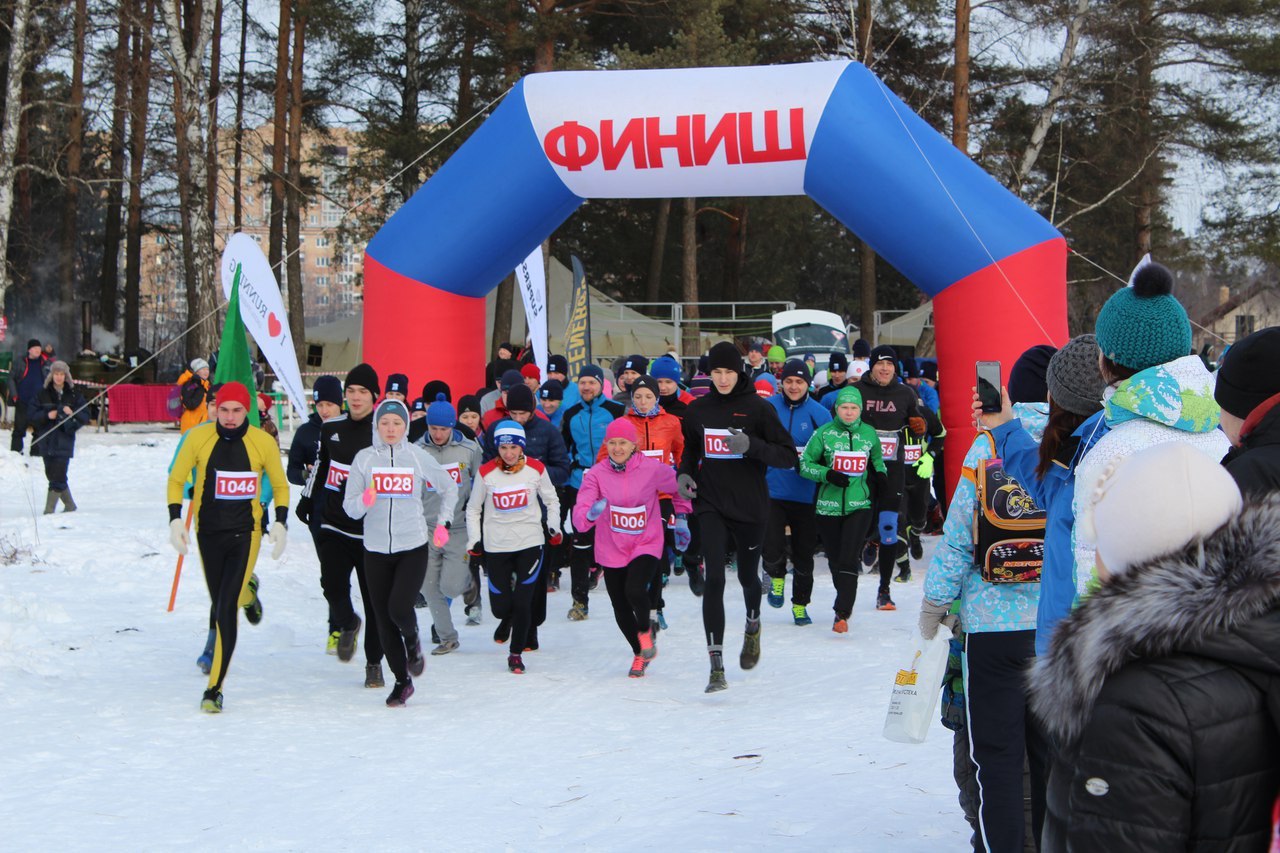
511 499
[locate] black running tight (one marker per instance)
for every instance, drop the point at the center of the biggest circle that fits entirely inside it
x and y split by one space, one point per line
747 538
629 592
394 581
226 558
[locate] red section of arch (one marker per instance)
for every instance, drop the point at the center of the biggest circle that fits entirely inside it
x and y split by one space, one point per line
982 318
415 329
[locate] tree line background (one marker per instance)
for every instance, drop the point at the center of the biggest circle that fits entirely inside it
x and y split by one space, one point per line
115 120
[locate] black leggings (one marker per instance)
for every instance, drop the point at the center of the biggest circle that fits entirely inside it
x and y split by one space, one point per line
628 588
804 540
662 565
512 578
748 537
394 582
226 558
843 537
338 555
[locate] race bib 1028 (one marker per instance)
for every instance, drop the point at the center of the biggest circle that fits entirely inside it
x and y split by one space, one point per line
393 482
235 485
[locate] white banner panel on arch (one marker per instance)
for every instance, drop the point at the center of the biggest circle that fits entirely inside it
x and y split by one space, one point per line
681 132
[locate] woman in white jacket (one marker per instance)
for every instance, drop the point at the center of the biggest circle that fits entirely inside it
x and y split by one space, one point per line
504 511
387 487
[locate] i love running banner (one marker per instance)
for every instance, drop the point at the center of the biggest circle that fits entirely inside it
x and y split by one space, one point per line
262 310
531 278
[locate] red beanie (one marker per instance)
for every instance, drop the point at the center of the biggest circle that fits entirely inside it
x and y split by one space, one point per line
233 392
531 371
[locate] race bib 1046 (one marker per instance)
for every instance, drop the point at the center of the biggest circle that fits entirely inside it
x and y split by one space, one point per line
392 482
510 499
850 462
454 471
716 445
337 477
627 519
235 485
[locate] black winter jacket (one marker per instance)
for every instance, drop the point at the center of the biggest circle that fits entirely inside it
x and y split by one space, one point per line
1162 694
735 488
304 449
341 438
1255 464
56 439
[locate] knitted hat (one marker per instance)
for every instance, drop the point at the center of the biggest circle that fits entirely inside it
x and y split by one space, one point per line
755 346
724 355
32 343
861 349
1144 325
765 388
265 402
645 381
796 367
558 364
520 399
418 406
509 347
365 377
776 354
909 368
929 370
508 432
849 394
440 413
704 364
531 371
499 366
231 392
469 403
398 383
1157 501
838 362
328 389
592 371
1027 378
884 352
435 387
621 428
1073 378
552 389
1250 373
638 363
665 367
390 406
510 379
198 364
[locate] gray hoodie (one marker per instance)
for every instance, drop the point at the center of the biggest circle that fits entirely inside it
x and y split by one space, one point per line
459 454
401 475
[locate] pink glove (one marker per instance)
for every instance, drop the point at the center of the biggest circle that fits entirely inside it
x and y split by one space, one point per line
441 536
369 496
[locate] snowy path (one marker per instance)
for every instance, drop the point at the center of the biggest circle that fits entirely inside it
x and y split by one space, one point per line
103 746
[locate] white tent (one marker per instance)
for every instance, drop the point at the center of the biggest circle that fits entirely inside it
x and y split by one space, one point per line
905 329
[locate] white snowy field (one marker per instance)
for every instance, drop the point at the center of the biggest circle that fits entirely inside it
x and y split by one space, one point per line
103 745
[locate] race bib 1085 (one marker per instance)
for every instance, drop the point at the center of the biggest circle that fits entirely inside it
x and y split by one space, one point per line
235 485
911 453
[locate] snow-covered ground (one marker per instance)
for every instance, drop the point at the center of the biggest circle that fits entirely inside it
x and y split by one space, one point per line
103 745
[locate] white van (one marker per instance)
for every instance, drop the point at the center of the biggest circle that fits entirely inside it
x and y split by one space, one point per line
805 331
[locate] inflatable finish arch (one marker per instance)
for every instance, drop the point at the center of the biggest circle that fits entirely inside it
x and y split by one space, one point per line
829 130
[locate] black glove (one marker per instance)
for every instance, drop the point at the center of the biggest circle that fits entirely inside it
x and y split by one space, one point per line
839 479
303 511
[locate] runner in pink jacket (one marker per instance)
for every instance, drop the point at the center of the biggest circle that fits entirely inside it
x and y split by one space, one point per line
619 498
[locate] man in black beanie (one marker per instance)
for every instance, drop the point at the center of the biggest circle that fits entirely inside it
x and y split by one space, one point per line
1248 390
340 539
731 437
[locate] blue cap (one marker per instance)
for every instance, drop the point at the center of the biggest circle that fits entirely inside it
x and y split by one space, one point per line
440 413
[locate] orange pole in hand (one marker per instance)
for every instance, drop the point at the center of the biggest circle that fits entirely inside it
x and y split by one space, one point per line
177 572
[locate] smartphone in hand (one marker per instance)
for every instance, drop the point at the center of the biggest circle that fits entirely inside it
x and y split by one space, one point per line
989 386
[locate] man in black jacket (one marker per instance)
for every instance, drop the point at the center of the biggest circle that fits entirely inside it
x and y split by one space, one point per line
326 395
340 539
1248 390
731 436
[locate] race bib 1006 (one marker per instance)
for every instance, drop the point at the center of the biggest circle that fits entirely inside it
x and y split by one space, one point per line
337 477
627 519
888 445
510 499
850 462
911 453
454 471
393 482
235 485
716 445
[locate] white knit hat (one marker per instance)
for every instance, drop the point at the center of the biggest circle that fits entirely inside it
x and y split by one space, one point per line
1157 501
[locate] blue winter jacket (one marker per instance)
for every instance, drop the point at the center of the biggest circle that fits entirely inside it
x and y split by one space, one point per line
583 429
928 395
1053 494
802 420
984 607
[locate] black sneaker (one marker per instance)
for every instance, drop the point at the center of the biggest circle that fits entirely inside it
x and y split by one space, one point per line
869 554
531 640
400 693
696 582
515 664
595 578
347 642
419 603
253 610
212 701
914 543
503 632
373 675
435 636
416 662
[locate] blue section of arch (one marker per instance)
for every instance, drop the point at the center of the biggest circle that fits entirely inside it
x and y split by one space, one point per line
867 171
482 212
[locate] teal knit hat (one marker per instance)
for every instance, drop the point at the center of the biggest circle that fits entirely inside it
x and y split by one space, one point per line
1144 325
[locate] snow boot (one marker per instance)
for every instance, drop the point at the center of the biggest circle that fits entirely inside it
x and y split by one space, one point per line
400 693
68 505
51 502
777 586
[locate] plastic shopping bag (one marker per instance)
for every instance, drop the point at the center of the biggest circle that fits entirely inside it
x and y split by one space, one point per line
916 688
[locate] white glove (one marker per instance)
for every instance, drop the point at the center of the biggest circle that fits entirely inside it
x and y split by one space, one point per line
178 536
278 537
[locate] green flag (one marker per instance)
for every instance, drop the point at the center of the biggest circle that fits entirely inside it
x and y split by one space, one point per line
234 362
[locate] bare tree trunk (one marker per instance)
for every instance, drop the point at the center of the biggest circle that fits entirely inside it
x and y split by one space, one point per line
237 189
960 93
689 278
140 87
69 305
411 179
659 249
1056 89
187 39
215 89
275 233
297 319
735 250
466 70
109 282
18 59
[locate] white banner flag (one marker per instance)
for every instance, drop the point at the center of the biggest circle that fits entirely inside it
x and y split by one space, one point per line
531 278
262 309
